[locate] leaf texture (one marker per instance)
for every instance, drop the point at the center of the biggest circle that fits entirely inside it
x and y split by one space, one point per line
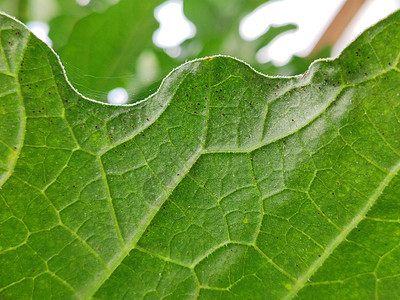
225 183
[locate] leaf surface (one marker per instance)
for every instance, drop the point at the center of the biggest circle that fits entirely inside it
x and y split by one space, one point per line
225 183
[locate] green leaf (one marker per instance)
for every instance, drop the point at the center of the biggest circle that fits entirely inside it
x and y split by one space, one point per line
69 13
105 47
225 183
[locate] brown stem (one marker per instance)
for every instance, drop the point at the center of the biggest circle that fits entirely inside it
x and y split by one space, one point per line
338 25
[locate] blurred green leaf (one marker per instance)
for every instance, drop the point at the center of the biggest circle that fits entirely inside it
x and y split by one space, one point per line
105 46
69 13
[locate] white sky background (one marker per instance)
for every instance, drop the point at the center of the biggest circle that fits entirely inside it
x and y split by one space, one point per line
311 16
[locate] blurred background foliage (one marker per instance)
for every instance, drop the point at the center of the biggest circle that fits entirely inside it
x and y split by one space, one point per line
105 44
